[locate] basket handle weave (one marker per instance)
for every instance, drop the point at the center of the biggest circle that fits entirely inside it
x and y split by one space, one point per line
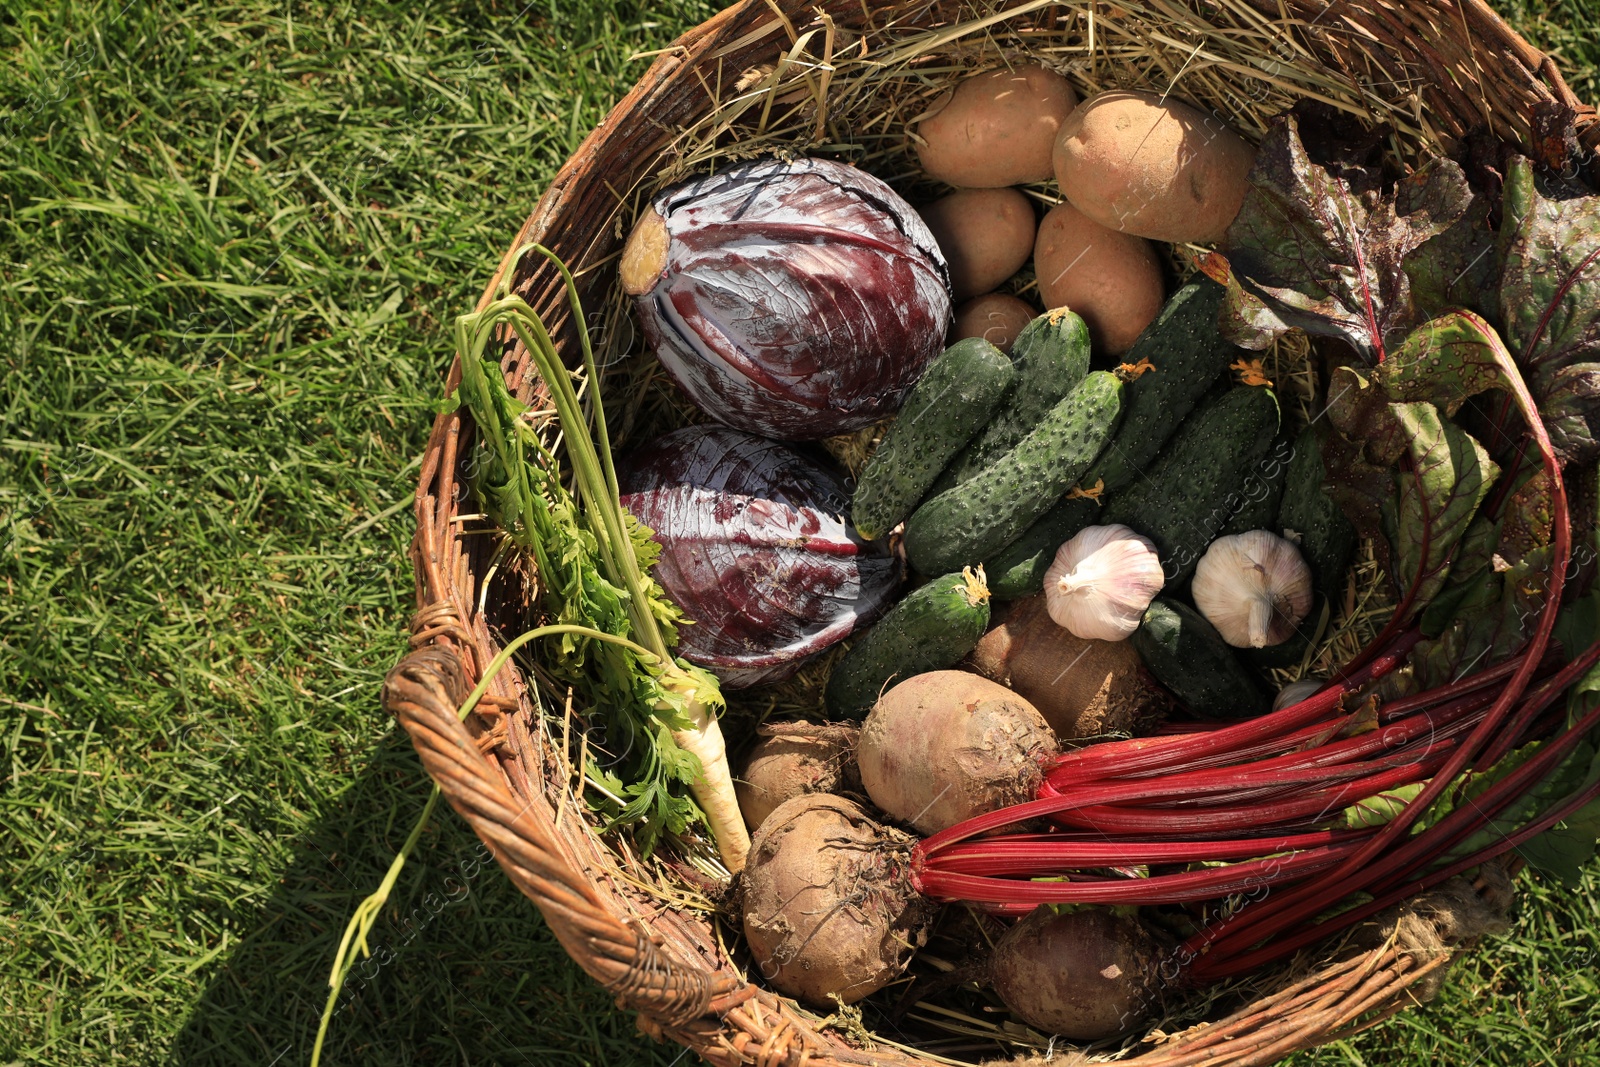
423 693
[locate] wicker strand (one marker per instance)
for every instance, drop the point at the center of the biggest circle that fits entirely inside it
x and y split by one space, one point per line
682 1002
423 692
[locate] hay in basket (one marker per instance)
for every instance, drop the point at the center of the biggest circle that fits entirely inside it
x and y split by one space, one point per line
847 80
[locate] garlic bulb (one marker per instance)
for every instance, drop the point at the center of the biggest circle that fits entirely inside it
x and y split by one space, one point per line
1295 692
1101 582
1253 587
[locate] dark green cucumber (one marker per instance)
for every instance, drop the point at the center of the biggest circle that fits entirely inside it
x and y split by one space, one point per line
1192 488
1308 516
931 629
1262 492
970 523
1051 355
1189 657
953 400
1187 354
1018 569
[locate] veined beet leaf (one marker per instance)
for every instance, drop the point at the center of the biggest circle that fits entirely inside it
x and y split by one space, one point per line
1538 279
1499 572
1577 627
1563 849
1458 267
1307 250
1472 573
1446 360
1549 275
1436 498
1381 807
1487 609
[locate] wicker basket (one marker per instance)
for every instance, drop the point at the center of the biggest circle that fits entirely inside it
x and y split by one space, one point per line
1445 73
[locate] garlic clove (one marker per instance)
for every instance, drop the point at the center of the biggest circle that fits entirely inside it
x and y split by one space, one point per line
1101 582
1295 692
1254 587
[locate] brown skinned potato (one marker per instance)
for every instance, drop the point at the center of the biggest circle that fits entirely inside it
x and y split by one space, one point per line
995 129
995 317
793 759
1152 168
986 236
1111 279
1086 975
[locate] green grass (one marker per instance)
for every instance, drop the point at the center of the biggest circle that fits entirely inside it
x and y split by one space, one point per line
231 241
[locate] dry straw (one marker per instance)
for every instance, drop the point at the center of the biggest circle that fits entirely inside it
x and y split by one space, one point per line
847 79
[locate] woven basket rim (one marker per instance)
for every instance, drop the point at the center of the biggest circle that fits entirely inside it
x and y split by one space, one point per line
498 770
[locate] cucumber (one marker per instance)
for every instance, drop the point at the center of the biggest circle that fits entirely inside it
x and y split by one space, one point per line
1018 569
965 525
931 629
1187 355
1189 657
1262 492
953 400
1308 515
1051 355
1192 488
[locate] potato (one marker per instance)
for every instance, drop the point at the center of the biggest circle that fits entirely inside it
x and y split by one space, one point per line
1087 975
986 236
995 317
996 128
1111 279
1154 169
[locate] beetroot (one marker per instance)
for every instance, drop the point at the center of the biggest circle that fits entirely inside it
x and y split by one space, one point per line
757 549
828 905
793 759
1086 975
944 746
795 300
1084 688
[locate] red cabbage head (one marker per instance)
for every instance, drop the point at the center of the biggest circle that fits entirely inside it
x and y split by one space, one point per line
756 548
794 300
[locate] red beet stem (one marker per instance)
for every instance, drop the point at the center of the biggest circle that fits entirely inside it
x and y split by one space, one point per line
1357 870
1514 731
1069 771
1424 848
1207 884
1335 759
1484 678
1049 854
1313 808
1210 969
1122 758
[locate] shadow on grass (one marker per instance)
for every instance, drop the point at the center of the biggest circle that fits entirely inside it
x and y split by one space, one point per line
463 969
